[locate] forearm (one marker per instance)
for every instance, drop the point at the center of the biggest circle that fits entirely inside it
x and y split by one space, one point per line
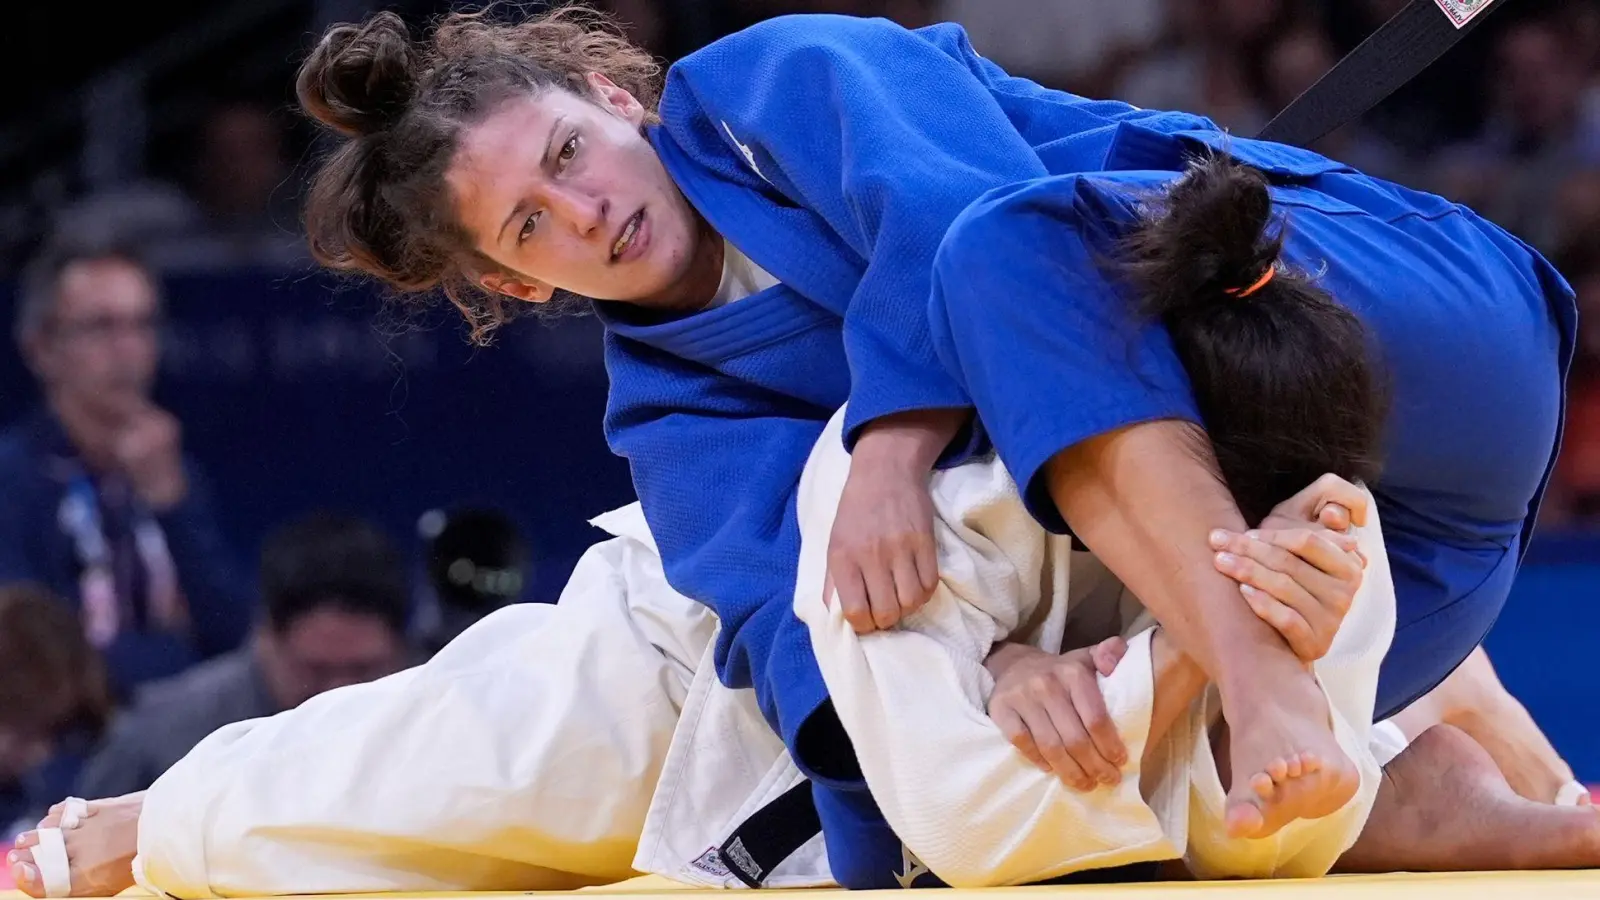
1144 502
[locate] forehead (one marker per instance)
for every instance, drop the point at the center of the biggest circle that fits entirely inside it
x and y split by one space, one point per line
336 631
103 284
502 152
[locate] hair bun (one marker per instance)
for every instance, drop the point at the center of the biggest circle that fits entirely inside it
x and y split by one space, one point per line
360 78
1205 241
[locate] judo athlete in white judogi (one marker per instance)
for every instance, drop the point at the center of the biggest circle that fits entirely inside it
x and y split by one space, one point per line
580 743
913 700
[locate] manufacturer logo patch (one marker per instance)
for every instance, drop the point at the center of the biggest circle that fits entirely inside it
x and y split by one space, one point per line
1463 11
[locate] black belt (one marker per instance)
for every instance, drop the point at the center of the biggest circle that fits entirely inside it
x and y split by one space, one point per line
771 835
1391 56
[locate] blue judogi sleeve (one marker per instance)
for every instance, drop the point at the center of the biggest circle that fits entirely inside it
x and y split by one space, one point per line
886 137
1046 318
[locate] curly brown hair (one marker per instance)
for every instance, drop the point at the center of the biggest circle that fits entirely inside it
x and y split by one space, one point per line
379 204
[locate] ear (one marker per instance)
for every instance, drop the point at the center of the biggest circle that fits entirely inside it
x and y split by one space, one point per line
516 288
615 99
34 349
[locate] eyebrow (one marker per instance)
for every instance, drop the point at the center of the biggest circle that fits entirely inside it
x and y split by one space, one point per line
549 142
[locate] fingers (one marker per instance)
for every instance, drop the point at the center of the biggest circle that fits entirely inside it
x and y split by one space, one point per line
853 602
1332 554
927 560
882 597
910 594
1288 622
1334 517
1012 726
1052 744
1090 706
875 594
1281 599
1332 489
1108 654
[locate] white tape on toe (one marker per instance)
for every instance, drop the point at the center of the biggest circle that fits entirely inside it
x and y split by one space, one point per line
73 811
1571 793
50 856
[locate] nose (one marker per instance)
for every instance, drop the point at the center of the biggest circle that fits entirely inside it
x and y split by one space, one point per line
585 212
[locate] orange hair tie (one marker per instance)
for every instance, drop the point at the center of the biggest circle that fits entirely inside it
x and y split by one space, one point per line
1260 283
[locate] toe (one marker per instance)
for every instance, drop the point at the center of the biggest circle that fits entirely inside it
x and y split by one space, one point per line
1295 767
1278 769
1244 820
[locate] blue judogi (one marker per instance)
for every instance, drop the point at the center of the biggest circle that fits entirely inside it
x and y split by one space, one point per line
1474 331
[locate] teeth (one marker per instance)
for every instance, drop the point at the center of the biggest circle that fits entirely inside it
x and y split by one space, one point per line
626 238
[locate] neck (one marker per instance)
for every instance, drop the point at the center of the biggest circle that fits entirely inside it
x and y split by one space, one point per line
699 285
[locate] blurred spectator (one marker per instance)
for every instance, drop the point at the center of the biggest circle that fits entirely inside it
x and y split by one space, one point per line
335 609
101 504
53 704
1575 490
1543 125
1200 66
477 562
247 206
1294 62
240 209
1057 44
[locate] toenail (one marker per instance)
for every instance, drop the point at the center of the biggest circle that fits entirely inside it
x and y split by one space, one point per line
28 874
12 857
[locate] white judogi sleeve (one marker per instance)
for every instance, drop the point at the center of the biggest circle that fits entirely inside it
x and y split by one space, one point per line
522 757
914 701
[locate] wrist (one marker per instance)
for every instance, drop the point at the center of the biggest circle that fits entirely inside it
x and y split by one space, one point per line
1006 655
909 441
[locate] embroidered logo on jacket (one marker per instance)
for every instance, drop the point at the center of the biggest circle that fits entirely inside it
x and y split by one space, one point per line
749 155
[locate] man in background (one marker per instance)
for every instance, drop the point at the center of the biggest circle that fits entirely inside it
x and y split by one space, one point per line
101 505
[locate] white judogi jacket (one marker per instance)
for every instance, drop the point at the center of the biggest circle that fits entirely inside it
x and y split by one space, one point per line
550 747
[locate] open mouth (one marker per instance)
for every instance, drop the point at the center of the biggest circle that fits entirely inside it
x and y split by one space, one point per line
630 231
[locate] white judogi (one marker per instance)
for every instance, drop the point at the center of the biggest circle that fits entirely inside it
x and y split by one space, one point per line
971 808
550 747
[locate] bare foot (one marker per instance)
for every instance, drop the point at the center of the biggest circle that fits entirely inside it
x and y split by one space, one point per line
1282 760
100 850
1444 806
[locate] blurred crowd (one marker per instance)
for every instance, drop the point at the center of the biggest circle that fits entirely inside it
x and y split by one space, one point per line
129 628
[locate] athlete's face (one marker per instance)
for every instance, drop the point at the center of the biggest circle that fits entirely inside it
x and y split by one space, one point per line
565 192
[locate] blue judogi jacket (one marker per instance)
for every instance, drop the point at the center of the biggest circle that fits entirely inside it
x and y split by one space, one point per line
834 152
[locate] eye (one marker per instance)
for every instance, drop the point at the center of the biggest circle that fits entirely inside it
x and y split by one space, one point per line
568 151
531 223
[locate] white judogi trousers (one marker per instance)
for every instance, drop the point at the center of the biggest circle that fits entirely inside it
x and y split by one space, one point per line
974 811
547 747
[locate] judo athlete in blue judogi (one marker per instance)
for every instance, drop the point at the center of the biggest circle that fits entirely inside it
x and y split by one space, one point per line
1474 329
760 251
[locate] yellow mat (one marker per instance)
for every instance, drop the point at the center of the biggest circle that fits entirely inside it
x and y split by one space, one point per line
1463 886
